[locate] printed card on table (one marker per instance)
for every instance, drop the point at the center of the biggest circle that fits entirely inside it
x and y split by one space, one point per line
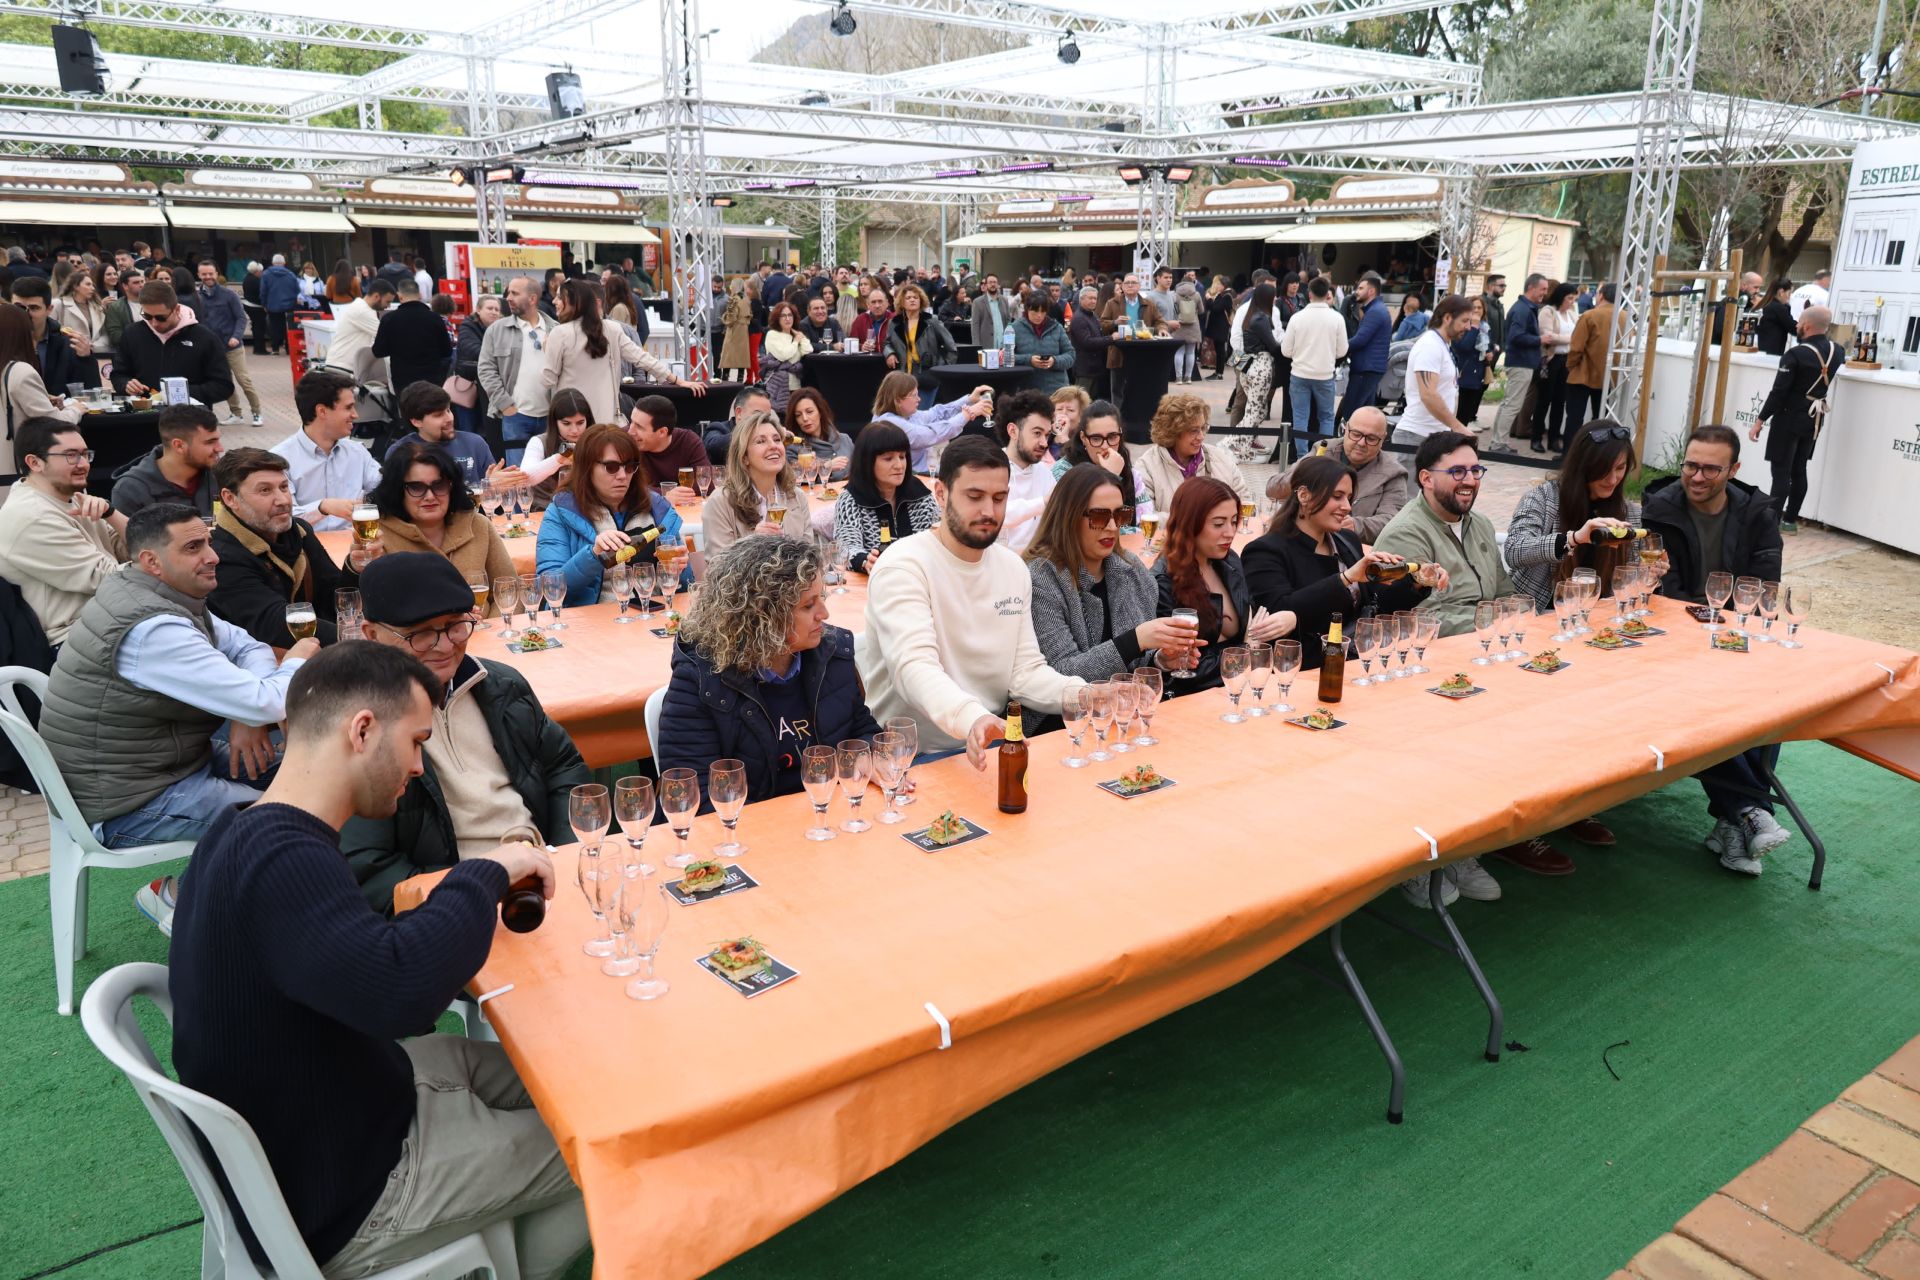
737 881
1135 782
947 831
760 981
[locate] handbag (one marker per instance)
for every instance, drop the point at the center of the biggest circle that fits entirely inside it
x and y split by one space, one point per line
463 391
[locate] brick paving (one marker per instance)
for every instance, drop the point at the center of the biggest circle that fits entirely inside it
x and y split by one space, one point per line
1840 1198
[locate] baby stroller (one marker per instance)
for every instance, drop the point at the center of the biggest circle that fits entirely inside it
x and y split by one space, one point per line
1393 383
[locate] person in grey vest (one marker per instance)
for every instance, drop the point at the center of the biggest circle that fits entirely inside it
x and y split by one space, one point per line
158 713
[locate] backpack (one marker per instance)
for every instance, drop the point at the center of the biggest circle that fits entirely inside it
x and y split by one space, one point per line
1188 310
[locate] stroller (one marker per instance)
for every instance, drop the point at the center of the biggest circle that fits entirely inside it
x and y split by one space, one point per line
1393 383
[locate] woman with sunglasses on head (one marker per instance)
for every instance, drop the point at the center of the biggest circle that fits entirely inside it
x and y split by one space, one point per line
1201 571
1095 606
549 455
1557 526
759 482
1310 563
424 506
606 507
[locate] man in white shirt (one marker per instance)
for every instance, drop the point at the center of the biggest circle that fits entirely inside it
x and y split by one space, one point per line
1162 293
1025 421
1315 340
57 541
355 325
511 361
1433 380
949 637
1811 294
423 278
328 472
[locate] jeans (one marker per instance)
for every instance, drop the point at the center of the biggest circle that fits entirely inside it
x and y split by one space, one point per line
1312 412
277 330
1789 457
1186 361
518 428
1363 388
1742 771
186 810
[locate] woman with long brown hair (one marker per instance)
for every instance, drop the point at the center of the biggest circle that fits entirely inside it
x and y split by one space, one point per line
1555 525
548 460
342 286
781 352
1201 571
810 417
759 493
607 506
585 352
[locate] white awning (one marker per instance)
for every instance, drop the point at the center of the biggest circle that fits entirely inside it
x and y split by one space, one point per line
67 214
757 233
1043 237
592 232
416 221
1212 232
1357 231
247 217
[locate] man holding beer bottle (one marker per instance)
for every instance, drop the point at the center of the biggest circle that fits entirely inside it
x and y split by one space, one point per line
269 557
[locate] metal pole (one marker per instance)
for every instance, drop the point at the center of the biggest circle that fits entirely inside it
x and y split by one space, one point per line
1873 65
945 262
1646 370
1734 265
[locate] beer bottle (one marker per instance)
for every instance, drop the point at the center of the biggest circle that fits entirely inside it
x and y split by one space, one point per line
1333 665
1618 533
1377 572
1013 764
524 906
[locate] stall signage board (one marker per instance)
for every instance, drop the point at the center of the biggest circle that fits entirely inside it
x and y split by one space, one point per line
513 257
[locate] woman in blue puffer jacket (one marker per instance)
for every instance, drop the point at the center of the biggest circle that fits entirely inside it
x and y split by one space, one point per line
609 506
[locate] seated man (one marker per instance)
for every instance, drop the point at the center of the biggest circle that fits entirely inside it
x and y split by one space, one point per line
949 637
1379 481
57 541
496 767
428 408
1709 522
717 436
61 365
1023 422
1443 528
165 345
292 1000
822 328
269 557
136 699
329 473
665 447
180 468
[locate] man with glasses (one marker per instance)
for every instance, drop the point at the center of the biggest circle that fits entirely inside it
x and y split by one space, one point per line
1433 380
511 358
496 767
137 699
1710 522
57 541
164 345
1443 528
269 558
1379 481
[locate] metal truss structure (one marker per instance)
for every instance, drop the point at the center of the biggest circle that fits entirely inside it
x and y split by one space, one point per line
829 229
693 224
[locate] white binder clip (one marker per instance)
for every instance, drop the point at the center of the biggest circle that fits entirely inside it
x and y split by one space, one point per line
1433 846
1659 758
946 1029
497 991
1891 674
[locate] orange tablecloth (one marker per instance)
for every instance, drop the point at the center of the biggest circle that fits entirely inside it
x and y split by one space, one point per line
702 1123
339 541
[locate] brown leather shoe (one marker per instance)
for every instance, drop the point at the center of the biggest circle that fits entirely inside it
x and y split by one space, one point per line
1591 831
1536 856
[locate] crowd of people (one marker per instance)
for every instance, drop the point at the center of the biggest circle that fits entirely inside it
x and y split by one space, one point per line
372 746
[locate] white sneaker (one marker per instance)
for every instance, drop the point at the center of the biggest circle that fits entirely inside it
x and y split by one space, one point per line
1762 833
1724 835
259 418
1415 891
1736 860
156 902
1472 880
230 418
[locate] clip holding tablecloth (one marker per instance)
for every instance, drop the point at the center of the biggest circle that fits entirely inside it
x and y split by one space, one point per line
946 1029
497 991
1659 758
1433 846
1892 675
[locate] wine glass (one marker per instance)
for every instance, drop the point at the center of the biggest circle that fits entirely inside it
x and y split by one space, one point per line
1100 712
1746 594
727 788
642 578
819 767
1486 615
1626 583
837 557
1588 580
1405 628
679 799
506 598
856 766
1769 609
1426 625
598 881
633 805
910 731
589 813
1652 551
1146 700
1383 647
619 585
1502 627
602 885
1520 615
553 589
1076 708
530 598
346 613
1796 601
1286 661
1233 677
1259 670
482 591
886 760
1192 619
1719 591
644 912
1366 638
1124 691
703 479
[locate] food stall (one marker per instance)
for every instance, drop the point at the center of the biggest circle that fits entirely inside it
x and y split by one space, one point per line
234 216
79 202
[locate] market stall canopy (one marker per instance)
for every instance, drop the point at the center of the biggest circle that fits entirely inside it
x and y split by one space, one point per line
550 229
413 221
247 217
1041 237
1228 231
1359 231
74 213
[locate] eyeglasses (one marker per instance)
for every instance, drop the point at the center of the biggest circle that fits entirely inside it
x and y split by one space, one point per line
1613 433
615 467
1706 470
424 640
1460 473
533 336
421 488
73 457
1105 438
1363 437
1101 517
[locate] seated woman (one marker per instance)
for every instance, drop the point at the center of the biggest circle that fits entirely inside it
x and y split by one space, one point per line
759 481
1180 452
1095 607
1100 440
607 505
1069 410
1309 563
424 506
549 456
1201 571
882 494
898 401
1554 524
758 675
810 417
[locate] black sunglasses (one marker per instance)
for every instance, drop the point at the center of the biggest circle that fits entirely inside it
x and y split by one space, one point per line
1613 433
421 488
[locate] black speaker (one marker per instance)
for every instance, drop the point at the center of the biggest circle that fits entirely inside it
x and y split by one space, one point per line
77 54
564 95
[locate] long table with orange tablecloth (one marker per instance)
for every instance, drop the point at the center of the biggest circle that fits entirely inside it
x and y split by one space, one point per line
702 1123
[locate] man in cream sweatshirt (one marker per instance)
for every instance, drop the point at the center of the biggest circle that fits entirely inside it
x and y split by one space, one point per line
949 637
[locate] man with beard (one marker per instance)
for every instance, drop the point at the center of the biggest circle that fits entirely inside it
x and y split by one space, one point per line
269 558
1443 528
949 636
57 541
1025 421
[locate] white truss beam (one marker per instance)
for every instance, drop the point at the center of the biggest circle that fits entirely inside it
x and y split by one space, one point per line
109 134
214 19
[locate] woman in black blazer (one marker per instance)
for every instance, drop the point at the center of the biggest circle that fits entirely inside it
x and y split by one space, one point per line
1310 563
1776 320
1201 571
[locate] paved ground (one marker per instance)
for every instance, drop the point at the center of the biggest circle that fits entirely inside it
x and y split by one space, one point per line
1861 588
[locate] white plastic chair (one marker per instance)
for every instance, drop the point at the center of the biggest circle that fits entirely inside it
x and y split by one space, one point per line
71 847
651 715
107 1013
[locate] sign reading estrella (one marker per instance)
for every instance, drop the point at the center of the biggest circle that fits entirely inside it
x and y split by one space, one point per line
1909 449
1890 176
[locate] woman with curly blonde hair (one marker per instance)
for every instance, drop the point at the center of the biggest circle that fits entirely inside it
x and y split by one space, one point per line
1180 452
758 674
759 493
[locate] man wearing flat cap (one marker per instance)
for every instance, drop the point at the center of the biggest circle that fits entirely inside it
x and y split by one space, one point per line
496 767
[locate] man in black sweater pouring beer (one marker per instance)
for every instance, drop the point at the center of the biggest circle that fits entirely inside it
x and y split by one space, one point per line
292 995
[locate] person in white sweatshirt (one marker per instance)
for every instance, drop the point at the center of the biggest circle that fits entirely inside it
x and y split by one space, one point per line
949 637
1315 340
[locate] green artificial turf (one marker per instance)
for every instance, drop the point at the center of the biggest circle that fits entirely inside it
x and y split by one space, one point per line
1244 1136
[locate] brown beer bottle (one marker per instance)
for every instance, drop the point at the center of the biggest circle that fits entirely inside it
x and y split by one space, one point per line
1333 665
1013 764
524 906
1377 572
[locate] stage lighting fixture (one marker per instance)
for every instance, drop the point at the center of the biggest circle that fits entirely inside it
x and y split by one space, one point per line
1132 174
1069 51
720 202
842 23
1178 173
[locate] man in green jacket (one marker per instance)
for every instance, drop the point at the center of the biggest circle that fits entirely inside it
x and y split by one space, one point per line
496 768
1442 527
